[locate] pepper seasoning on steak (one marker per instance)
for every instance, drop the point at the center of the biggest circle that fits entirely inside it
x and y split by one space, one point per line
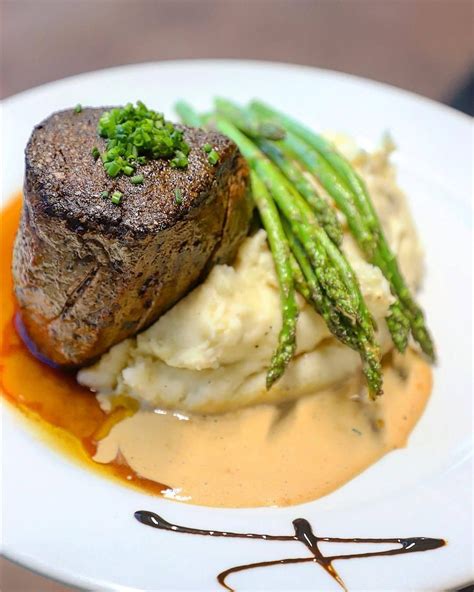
89 273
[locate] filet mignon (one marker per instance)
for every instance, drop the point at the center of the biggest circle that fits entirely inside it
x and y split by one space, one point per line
89 273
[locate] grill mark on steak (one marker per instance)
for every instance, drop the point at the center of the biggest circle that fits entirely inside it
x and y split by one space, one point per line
88 273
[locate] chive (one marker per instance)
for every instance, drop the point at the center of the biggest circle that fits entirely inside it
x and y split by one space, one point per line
104 194
213 157
112 168
137 180
95 152
78 108
178 198
135 134
116 197
207 148
180 161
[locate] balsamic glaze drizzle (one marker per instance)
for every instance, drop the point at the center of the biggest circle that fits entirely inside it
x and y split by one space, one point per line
303 534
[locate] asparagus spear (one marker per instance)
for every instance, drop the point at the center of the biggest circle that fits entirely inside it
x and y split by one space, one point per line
312 160
351 335
333 272
345 272
250 126
405 311
187 114
282 187
308 286
324 212
281 256
300 216
399 326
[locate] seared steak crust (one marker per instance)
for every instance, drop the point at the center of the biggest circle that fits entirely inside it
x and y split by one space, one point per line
89 273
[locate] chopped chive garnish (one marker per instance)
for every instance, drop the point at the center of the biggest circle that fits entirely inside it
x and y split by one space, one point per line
135 135
178 198
213 157
116 197
180 161
104 194
95 152
207 148
112 168
137 180
78 108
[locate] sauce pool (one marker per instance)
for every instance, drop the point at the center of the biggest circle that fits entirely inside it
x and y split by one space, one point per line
274 455
67 415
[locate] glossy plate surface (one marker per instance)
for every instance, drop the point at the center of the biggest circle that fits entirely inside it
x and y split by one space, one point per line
73 525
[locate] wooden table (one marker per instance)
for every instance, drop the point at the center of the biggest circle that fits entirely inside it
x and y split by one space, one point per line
421 45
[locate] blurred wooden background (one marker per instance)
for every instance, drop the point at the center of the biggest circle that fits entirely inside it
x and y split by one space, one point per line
421 45
425 46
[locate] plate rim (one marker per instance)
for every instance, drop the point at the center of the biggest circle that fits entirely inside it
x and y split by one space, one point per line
448 110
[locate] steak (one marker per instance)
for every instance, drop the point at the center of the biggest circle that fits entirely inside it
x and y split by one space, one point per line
89 273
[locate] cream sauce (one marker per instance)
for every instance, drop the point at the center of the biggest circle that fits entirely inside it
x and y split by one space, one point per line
274 455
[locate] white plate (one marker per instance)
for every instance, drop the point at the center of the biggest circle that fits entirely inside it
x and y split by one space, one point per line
77 527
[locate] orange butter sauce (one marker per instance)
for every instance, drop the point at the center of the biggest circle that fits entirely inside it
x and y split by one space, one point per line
65 414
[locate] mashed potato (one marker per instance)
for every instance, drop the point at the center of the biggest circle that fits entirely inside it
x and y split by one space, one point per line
210 352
